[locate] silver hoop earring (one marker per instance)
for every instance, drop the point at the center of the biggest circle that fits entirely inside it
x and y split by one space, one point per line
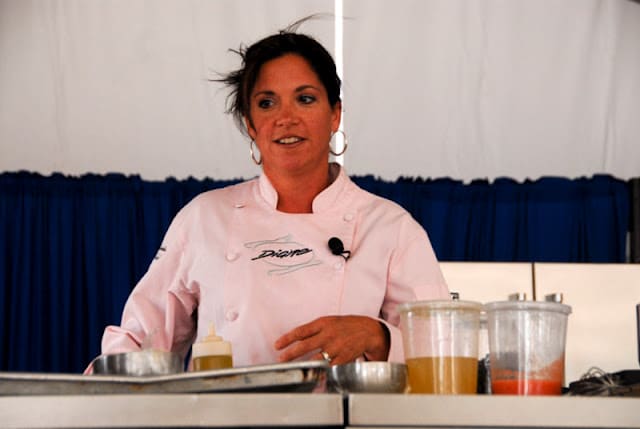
344 148
253 156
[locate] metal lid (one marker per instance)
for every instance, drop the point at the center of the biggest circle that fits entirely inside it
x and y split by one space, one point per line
518 296
443 304
554 297
527 305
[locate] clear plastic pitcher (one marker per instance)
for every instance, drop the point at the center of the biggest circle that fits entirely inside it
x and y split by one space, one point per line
440 341
527 346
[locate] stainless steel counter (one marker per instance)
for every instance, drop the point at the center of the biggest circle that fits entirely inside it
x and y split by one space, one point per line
484 411
174 410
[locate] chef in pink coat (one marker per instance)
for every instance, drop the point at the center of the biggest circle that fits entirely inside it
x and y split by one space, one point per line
298 263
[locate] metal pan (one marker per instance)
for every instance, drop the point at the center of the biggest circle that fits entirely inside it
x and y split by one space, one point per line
286 377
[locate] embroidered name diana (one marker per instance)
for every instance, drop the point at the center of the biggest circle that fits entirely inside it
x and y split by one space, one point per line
282 255
268 253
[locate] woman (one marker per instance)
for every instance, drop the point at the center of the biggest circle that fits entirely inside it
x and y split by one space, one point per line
254 259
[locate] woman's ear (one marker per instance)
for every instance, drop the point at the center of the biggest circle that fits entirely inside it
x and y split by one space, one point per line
250 130
336 116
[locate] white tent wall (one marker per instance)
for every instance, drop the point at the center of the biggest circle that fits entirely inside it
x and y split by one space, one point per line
439 88
123 85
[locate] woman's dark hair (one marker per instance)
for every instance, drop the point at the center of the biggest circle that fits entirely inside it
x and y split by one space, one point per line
242 81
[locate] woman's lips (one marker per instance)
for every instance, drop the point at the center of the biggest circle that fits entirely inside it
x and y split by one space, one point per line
288 140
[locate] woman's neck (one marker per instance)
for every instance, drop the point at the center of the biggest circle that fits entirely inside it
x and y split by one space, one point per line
296 193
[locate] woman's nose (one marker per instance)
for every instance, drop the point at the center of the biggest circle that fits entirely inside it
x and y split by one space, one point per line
286 116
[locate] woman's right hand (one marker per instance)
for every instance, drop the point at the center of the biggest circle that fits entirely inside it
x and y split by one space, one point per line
342 338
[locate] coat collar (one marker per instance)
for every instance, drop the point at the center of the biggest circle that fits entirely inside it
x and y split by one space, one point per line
324 201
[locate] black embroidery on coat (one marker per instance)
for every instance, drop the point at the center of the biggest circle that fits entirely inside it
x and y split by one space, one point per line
283 255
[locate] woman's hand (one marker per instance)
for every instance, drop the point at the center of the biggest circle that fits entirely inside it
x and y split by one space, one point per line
342 338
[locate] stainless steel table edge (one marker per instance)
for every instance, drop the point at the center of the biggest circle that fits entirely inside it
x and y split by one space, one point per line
172 410
483 411
282 377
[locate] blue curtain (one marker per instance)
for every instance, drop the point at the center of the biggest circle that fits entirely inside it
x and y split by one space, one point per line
548 220
71 248
70 251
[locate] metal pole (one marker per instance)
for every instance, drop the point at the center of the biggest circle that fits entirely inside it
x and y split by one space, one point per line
634 223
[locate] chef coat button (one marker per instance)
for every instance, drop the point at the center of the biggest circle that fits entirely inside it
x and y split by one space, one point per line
348 217
231 315
338 265
231 256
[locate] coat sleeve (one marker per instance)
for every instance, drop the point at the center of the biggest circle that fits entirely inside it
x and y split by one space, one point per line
160 311
414 275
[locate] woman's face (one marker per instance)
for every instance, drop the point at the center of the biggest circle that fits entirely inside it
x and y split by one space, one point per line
292 120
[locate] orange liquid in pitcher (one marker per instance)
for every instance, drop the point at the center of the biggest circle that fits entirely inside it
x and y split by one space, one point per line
546 381
443 375
526 387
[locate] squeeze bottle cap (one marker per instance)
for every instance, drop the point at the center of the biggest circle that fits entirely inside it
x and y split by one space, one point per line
211 345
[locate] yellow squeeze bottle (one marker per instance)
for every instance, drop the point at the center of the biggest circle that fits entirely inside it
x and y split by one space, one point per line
212 352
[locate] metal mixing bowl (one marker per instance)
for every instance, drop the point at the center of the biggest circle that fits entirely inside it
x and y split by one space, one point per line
145 362
367 377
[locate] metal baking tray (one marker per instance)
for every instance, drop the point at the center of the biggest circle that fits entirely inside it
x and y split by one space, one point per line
285 377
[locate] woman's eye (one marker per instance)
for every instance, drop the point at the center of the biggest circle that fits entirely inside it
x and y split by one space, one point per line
306 99
265 103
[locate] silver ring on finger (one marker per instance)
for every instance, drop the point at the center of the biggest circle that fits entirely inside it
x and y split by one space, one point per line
326 356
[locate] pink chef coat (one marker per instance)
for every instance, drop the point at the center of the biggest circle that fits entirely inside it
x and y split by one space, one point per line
229 257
